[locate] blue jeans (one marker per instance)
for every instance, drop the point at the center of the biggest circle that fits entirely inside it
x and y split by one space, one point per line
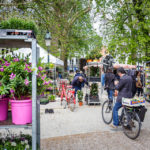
117 106
110 94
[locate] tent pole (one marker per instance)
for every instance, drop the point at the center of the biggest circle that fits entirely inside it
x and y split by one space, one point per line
34 95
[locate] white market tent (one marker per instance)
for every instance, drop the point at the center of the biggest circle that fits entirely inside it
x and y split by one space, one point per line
42 54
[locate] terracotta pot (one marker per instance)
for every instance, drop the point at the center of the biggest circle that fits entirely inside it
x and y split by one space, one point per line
80 103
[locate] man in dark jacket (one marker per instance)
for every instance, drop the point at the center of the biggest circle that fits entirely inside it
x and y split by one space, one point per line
109 84
124 88
78 83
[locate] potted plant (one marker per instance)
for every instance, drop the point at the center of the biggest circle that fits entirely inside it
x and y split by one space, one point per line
18 23
17 142
80 97
4 91
44 101
51 98
94 92
17 76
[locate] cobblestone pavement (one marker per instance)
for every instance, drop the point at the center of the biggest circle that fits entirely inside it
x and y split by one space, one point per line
85 130
98 141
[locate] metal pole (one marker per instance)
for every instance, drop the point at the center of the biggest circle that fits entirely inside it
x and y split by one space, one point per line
38 109
34 95
48 55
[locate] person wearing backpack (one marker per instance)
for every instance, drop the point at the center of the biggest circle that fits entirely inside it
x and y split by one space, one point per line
109 84
124 87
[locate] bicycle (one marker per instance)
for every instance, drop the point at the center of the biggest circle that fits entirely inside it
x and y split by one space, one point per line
68 93
129 119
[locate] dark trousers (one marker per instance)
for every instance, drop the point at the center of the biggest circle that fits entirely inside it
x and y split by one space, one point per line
140 91
76 89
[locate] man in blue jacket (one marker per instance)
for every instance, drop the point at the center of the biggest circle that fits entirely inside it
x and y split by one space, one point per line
78 83
124 88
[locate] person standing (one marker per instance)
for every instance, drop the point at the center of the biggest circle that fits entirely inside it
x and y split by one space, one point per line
124 87
139 84
109 84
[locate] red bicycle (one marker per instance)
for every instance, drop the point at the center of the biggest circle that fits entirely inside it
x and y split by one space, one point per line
68 93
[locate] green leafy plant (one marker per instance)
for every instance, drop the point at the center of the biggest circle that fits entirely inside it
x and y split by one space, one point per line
80 95
17 23
16 142
51 98
44 101
16 77
94 89
94 54
94 71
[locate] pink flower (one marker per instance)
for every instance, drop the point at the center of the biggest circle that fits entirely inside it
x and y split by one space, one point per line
27 68
43 77
45 83
7 64
50 88
26 82
12 76
2 69
16 59
12 91
26 65
49 81
39 74
40 68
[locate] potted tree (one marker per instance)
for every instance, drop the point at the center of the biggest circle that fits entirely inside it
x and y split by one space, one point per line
80 97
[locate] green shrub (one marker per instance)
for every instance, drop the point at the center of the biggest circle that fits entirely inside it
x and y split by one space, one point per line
80 95
51 97
17 23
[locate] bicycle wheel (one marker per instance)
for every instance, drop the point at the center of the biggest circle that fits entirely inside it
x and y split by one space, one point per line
71 103
107 108
131 125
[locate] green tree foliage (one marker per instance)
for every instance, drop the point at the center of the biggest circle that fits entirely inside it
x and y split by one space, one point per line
68 21
127 28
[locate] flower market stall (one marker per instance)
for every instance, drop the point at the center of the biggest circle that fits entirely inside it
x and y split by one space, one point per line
10 38
147 81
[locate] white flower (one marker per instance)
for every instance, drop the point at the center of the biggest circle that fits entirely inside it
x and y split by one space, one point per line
27 146
22 142
13 144
26 141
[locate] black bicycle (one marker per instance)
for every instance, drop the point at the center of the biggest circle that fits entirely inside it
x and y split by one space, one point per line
130 118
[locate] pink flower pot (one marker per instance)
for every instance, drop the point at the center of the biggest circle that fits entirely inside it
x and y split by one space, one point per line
3 109
21 111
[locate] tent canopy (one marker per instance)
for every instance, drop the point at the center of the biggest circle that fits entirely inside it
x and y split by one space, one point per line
42 54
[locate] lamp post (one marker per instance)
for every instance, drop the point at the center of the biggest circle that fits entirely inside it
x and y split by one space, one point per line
48 43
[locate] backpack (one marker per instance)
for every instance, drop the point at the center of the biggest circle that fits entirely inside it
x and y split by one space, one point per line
132 74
